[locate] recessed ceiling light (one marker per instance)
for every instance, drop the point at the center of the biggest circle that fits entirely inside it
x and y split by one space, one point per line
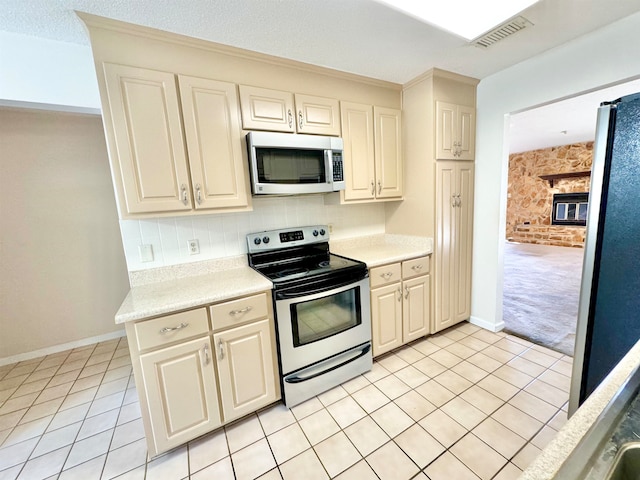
466 18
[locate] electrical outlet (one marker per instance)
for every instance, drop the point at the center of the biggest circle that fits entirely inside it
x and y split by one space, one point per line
146 252
194 247
330 228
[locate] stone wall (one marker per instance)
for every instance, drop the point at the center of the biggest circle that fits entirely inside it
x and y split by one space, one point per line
530 198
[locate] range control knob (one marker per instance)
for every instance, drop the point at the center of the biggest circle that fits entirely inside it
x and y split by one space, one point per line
265 239
315 233
322 232
257 241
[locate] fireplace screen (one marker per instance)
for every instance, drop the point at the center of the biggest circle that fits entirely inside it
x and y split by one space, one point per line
570 208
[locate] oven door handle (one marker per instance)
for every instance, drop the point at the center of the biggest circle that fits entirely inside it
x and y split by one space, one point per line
304 292
304 378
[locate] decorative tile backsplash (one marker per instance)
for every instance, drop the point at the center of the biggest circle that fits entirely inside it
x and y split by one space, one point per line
223 235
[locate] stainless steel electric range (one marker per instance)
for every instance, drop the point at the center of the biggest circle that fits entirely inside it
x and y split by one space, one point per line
322 309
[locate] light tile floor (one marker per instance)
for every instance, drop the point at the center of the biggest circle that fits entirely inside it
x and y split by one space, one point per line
463 404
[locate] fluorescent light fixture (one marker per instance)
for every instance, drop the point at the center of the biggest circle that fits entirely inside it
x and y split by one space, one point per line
466 18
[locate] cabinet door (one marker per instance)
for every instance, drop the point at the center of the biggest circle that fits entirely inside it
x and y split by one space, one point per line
264 109
454 232
180 386
317 115
149 160
386 318
463 241
245 365
445 244
388 152
359 160
415 308
446 128
214 142
466 132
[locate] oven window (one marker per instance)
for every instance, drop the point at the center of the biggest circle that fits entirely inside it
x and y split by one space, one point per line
290 166
321 318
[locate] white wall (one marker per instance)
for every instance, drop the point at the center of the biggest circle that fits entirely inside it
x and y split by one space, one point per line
606 56
223 235
59 75
62 270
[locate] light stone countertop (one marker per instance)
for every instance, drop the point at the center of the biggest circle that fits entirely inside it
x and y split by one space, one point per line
547 464
168 296
376 250
166 290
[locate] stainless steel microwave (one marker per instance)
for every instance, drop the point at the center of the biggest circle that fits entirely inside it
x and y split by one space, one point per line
292 164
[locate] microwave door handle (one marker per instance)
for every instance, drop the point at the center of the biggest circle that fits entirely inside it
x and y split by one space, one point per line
328 161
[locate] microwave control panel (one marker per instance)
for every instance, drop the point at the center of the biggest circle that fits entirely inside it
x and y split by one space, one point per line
338 170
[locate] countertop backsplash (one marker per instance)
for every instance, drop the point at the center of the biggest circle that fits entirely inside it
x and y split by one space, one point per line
224 235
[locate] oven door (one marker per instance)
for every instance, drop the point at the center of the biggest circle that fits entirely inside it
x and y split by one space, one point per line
323 322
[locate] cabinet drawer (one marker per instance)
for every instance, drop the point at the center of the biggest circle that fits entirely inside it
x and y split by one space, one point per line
415 267
385 275
160 331
237 312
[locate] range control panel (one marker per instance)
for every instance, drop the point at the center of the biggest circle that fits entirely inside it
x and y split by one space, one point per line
287 237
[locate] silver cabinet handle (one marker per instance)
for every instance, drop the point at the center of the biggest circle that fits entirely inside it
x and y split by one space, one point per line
240 312
453 201
183 192
173 329
373 188
399 294
379 187
206 354
300 118
290 116
458 201
417 268
406 292
386 275
221 349
198 193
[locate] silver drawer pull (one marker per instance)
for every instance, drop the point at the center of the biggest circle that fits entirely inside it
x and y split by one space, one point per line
240 312
386 275
173 329
417 268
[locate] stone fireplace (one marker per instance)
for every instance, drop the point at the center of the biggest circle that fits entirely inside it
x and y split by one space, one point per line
534 178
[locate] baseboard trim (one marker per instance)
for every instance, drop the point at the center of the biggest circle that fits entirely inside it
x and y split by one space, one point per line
61 348
482 323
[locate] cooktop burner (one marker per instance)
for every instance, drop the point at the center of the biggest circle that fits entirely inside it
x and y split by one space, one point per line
296 255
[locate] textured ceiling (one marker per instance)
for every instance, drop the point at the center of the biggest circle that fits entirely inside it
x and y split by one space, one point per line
358 36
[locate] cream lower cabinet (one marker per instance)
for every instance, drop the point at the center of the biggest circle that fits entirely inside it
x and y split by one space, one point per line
180 386
199 369
246 369
453 242
400 303
148 117
372 153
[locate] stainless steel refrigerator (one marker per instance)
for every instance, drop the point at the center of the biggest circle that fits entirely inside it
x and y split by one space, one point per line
609 305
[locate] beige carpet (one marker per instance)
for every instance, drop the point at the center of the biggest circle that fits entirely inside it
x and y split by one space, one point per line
541 291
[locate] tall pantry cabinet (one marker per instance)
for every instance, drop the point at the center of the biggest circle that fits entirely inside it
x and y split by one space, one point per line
439 136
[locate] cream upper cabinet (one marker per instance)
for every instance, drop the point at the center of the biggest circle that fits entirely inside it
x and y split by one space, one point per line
280 111
372 153
154 171
455 132
246 368
388 152
180 390
214 141
149 162
454 219
400 303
